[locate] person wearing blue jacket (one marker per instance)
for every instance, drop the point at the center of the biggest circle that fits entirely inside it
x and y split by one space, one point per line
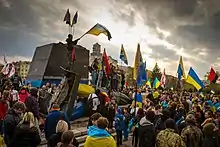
119 125
52 119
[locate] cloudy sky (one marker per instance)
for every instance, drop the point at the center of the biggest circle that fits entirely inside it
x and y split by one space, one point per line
165 29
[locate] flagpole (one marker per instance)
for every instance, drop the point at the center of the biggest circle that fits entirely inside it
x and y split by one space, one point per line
87 32
73 30
69 29
135 98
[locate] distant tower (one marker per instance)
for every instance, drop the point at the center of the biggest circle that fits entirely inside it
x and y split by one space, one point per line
96 50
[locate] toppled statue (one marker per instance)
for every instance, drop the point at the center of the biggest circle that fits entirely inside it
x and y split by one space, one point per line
70 81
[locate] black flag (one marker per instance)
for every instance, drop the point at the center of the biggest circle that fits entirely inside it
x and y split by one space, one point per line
75 19
67 17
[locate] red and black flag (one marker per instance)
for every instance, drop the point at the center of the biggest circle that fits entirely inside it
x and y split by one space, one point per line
75 19
67 17
105 63
212 76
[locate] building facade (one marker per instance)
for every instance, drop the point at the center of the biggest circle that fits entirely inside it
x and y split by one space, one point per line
22 68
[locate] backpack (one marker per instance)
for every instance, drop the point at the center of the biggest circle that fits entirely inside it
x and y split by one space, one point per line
90 101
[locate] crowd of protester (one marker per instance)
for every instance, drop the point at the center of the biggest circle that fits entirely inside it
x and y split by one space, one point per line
114 81
21 121
173 119
170 119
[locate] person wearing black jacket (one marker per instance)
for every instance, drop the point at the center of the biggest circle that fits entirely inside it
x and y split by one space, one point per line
12 118
26 134
146 131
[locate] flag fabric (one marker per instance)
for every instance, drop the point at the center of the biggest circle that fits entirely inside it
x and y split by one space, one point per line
218 80
143 72
67 17
12 70
163 79
156 83
215 79
193 79
139 101
98 29
123 55
180 70
5 69
73 54
141 77
211 75
75 19
94 139
148 83
137 62
105 63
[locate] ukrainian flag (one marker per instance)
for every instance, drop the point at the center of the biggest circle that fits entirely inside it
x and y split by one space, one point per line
137 62
193 79
99 138
156 83
123 55
138 98
180 70
98 29
148 83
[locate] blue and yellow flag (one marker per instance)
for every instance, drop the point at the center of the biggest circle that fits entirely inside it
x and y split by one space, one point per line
99 137
123 55
180 70
97 30
142 76
193 79
138 98
148 83
156 83
137 62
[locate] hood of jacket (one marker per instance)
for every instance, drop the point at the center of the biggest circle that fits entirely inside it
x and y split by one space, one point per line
144 122
23 91
34 92
94 131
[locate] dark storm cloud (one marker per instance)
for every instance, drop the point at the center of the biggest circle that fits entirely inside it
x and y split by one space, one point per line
29 23
163 51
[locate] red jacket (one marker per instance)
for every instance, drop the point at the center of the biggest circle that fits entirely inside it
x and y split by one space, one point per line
3 109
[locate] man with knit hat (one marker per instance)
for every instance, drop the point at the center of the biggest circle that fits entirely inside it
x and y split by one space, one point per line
191 134
52 119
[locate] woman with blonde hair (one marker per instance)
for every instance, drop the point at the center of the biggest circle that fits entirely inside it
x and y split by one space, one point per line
26 133
62 126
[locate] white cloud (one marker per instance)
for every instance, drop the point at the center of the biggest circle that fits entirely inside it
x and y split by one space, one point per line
5 3
14 59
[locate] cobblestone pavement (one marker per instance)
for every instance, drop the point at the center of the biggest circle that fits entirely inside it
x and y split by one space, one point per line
127 144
